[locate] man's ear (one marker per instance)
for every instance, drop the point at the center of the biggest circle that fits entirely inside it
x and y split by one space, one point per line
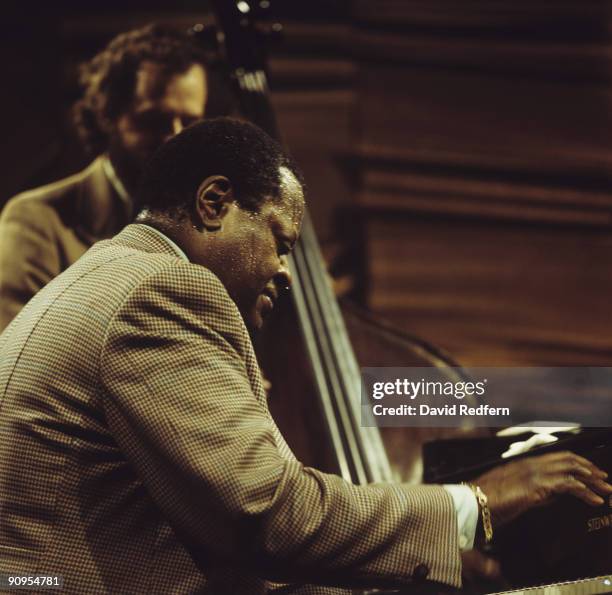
213 197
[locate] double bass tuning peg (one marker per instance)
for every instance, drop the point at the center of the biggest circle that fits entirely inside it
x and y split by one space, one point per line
269 34
253 7
274 32
253 10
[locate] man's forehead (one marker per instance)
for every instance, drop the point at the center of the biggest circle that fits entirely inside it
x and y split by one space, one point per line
153 80
291 203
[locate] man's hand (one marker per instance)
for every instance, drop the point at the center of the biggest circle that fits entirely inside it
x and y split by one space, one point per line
516 487
478 566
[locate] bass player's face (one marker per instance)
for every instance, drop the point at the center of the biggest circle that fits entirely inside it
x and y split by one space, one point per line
164 103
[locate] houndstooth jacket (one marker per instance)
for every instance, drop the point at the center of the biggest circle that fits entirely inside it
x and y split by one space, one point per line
138 455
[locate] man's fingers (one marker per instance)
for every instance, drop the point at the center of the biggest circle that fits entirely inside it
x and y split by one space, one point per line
577 468
581 472
477 565
575 459
574 468
491 569
598 485
571 459
573 486
589 465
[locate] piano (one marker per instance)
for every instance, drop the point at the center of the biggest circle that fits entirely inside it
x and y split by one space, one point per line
558 545
588 586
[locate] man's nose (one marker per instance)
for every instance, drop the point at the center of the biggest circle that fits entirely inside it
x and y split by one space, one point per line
283 277
177 126
172 128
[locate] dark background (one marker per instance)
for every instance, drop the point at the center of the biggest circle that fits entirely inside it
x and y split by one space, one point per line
459 151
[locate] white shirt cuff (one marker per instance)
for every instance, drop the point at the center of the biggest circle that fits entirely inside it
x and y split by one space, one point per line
467 514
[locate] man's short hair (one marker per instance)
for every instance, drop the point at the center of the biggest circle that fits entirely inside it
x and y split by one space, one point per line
233 148
108 79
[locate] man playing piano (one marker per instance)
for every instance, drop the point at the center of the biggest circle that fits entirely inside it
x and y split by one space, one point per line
138 454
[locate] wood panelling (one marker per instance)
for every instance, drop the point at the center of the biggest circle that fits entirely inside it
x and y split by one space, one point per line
414 189
494 122
541 19
496 293
485 176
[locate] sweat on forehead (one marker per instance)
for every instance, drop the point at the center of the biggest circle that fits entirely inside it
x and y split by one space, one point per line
291 191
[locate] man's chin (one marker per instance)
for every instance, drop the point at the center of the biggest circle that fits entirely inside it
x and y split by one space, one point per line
259 313
254 321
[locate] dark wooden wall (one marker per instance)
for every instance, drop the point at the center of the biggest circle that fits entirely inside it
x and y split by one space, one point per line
484 150
461 150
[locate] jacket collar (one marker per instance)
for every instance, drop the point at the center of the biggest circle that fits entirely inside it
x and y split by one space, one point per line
147 239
